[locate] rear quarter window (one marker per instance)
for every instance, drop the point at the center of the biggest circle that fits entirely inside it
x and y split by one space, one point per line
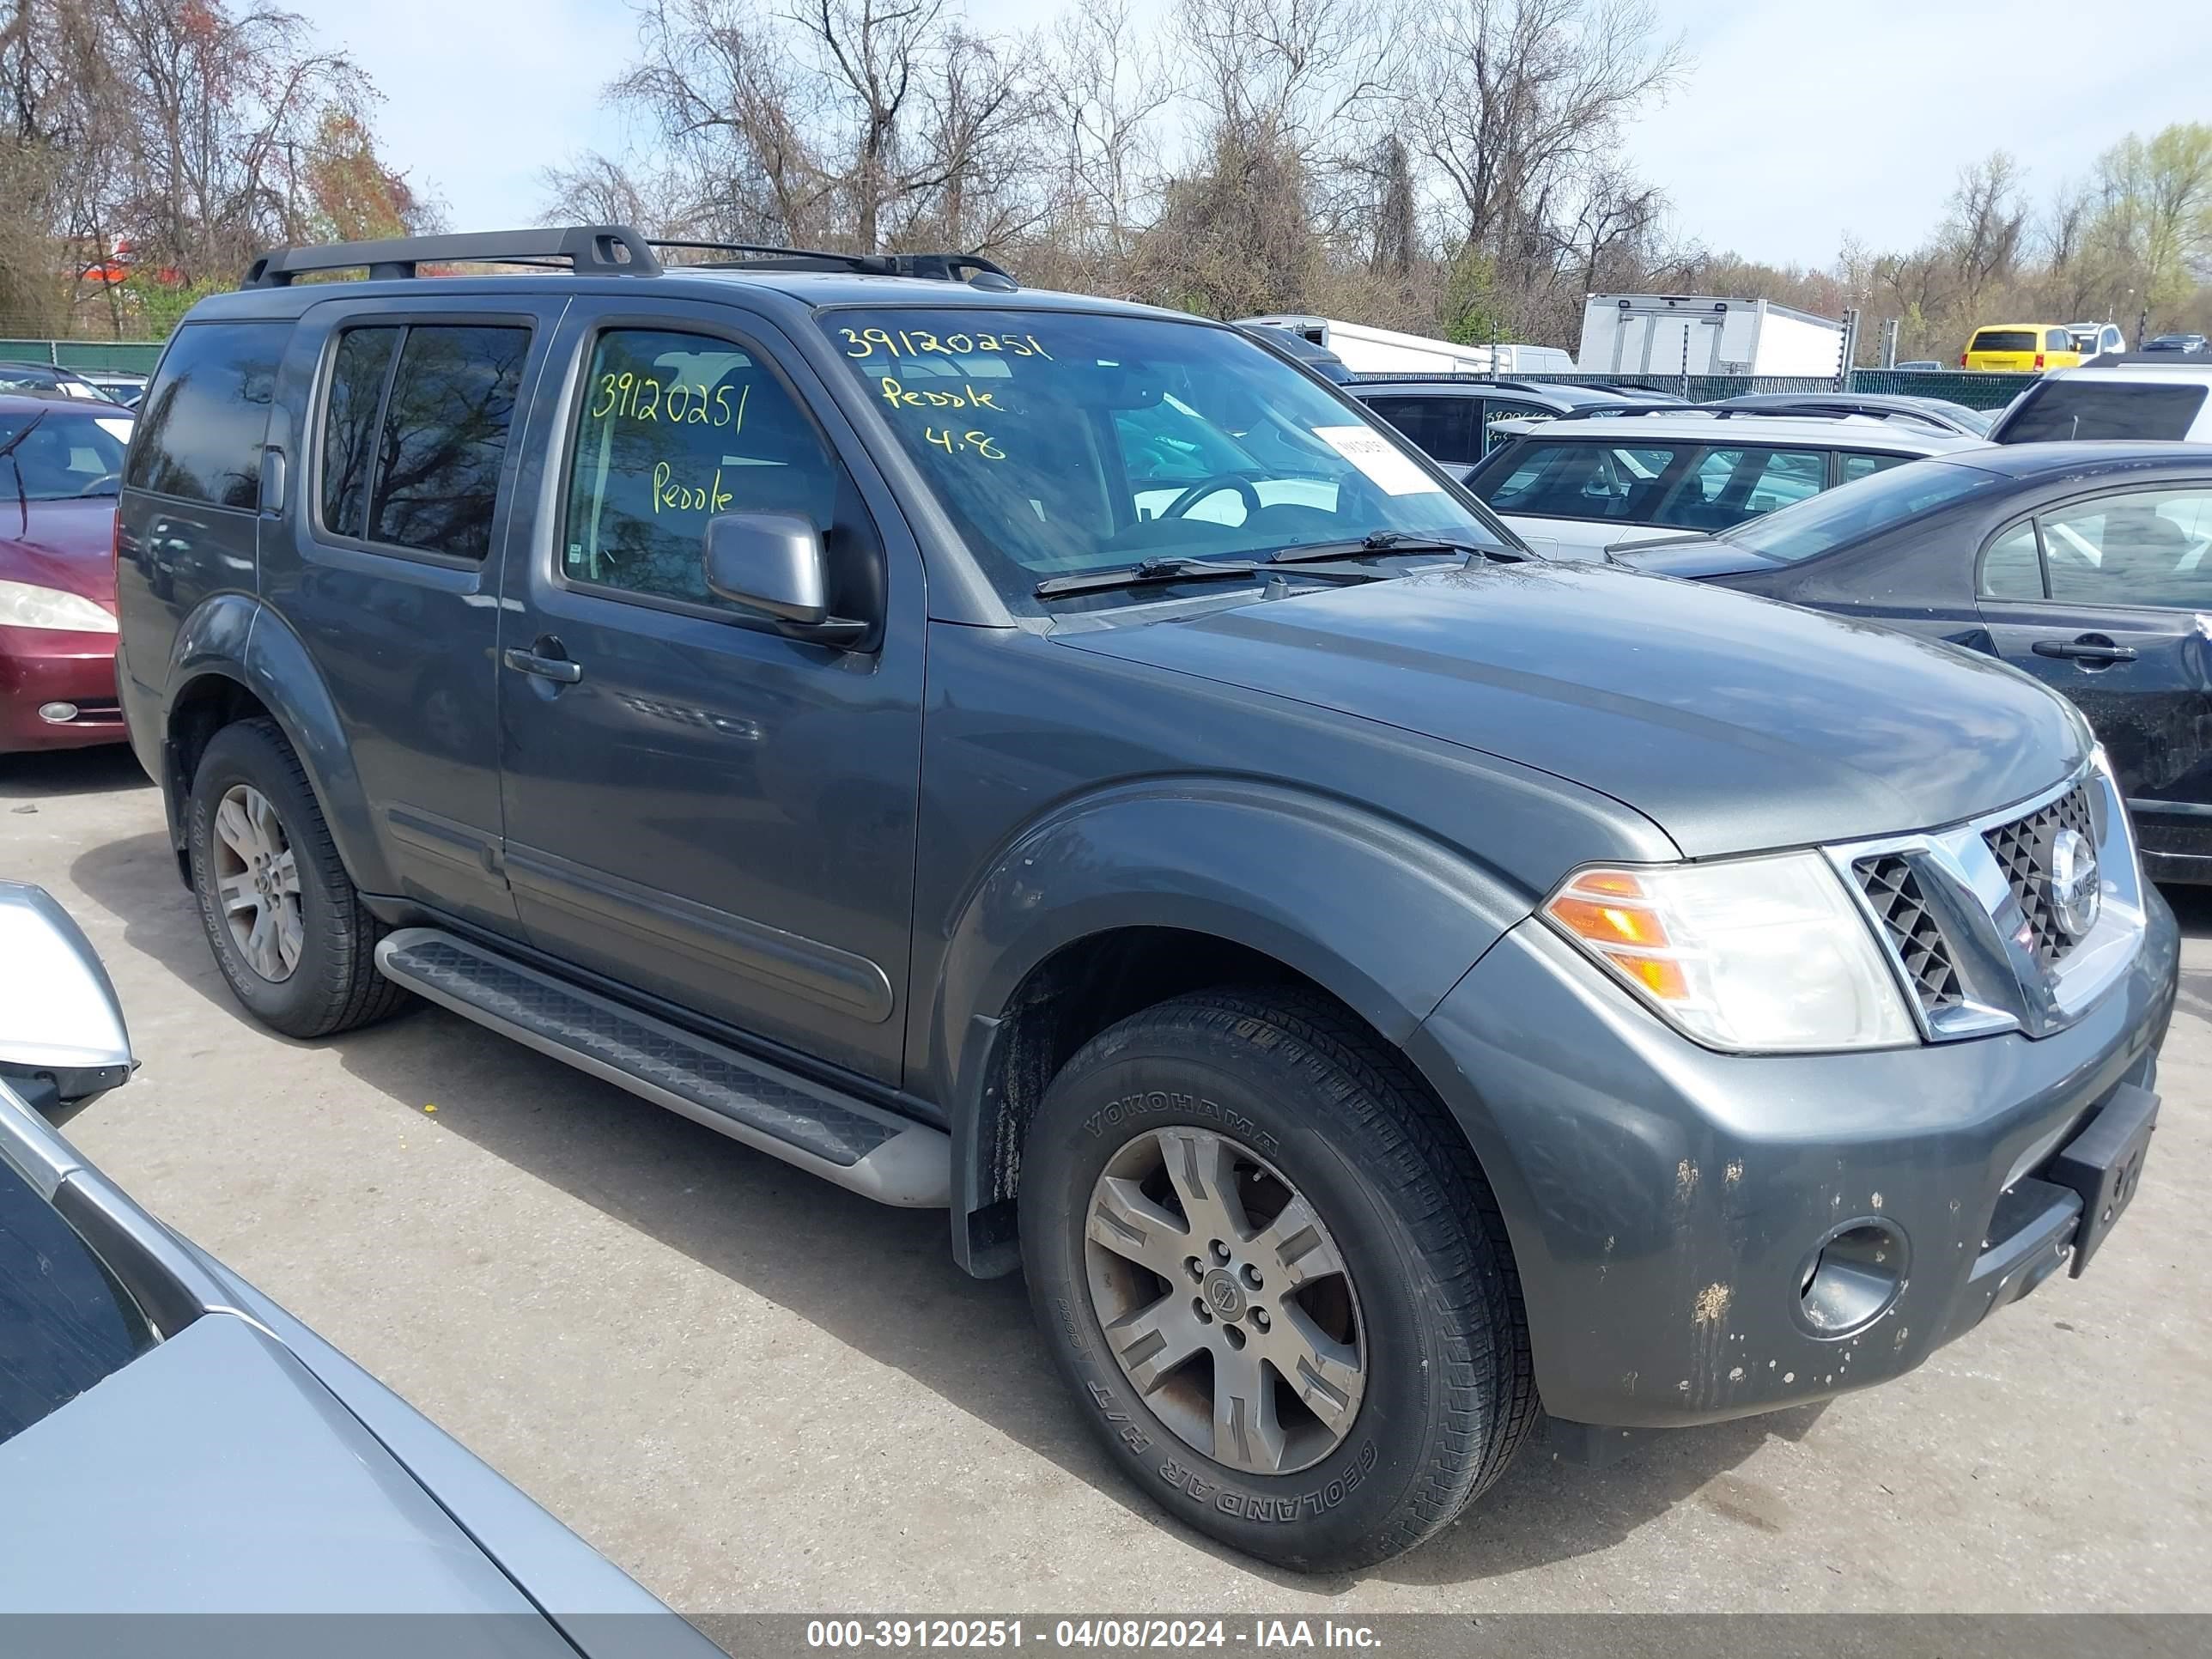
202 423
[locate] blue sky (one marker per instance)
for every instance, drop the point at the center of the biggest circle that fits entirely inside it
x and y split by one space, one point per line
1798 124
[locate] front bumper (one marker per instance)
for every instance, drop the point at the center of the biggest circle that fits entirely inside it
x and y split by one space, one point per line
1665 1203
43 667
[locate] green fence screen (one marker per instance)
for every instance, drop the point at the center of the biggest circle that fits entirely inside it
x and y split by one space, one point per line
1975 391
134 356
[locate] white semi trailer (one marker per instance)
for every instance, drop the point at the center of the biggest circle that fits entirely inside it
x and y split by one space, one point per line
1699 334
1367 350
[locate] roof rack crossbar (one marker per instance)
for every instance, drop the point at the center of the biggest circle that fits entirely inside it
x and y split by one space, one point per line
595 249
941 267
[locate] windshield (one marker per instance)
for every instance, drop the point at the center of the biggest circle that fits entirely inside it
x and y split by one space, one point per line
58 454
1850 512
1061 442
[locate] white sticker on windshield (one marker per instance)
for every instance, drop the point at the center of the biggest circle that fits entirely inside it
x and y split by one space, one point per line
1392 470
118 430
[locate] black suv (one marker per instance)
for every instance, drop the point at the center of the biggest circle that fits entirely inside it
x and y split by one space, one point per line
1063 762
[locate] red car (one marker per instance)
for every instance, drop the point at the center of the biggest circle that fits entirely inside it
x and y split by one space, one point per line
61 463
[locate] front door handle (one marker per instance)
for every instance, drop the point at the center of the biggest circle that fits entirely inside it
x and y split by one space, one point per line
2092 650
545 667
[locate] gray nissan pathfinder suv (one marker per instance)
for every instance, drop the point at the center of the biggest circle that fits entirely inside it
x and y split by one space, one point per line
1063 763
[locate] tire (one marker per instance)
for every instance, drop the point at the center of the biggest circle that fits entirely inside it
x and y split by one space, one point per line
1301 1098
319 977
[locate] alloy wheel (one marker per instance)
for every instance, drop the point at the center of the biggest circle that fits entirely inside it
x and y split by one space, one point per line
257 878
1226 1301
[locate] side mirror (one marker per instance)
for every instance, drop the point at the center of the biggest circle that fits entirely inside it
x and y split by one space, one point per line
774 563
62 1043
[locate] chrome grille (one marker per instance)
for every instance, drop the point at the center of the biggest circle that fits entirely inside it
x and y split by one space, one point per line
1893 892
2022 850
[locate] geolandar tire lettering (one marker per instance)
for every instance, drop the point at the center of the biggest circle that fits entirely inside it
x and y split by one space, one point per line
1270 1270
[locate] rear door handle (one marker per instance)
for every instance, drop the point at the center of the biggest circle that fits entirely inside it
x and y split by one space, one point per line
2088 649
550 668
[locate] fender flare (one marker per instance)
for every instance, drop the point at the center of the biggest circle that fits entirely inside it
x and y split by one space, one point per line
235 636
1383 916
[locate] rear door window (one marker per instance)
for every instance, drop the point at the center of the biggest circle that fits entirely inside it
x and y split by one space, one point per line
2004 339
1728 486
1444 427
2147 547
2057 411
1571 480
202 423
415 429
65 1322
1502 409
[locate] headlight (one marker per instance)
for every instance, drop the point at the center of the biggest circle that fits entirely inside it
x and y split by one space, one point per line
1761 955
22 606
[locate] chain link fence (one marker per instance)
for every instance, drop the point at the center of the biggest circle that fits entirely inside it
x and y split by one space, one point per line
1975 389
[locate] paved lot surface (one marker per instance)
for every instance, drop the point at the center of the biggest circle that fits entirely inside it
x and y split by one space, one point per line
755 1392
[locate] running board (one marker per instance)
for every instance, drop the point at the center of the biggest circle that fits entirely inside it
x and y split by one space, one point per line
873 1152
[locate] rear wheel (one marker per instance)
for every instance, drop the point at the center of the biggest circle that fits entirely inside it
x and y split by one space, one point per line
288 929
1269 1265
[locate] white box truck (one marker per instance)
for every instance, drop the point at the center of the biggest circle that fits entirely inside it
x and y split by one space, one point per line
1699 334
1366 351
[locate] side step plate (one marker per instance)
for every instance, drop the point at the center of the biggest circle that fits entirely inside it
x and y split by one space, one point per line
875 1153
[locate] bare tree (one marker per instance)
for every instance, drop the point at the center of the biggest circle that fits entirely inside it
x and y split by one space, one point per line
1987 227
1527 100
1293 72
1102 91
731 154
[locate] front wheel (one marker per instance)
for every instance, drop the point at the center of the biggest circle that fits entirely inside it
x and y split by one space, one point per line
1269 1265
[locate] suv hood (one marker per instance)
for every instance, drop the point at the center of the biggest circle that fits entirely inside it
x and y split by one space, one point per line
1735 723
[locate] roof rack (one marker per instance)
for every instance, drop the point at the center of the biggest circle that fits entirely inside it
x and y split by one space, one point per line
1604 412
603 251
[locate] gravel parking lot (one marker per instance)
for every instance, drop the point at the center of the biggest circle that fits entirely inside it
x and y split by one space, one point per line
757 1392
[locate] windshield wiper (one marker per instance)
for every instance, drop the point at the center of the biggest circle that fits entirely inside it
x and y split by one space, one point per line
1144 571
1394 541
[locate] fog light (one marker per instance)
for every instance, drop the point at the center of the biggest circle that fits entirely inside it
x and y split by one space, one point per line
57 714
1852 1278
